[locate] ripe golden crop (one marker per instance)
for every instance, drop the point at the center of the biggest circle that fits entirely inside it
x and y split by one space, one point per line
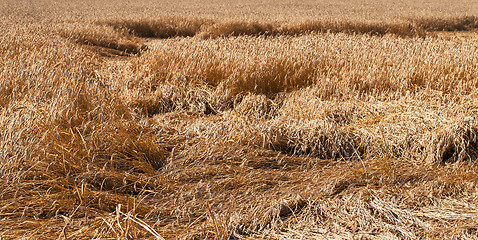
238 119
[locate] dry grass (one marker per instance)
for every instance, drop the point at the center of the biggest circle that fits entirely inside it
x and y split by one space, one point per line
312 120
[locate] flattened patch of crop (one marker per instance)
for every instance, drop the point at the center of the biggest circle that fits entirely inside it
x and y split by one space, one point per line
170 27
104 40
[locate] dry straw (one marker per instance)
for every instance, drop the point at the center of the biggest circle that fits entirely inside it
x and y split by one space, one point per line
210 127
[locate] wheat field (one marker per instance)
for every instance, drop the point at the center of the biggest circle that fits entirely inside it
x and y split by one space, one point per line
238 119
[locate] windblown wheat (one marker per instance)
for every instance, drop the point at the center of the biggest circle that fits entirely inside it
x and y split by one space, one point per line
314 120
